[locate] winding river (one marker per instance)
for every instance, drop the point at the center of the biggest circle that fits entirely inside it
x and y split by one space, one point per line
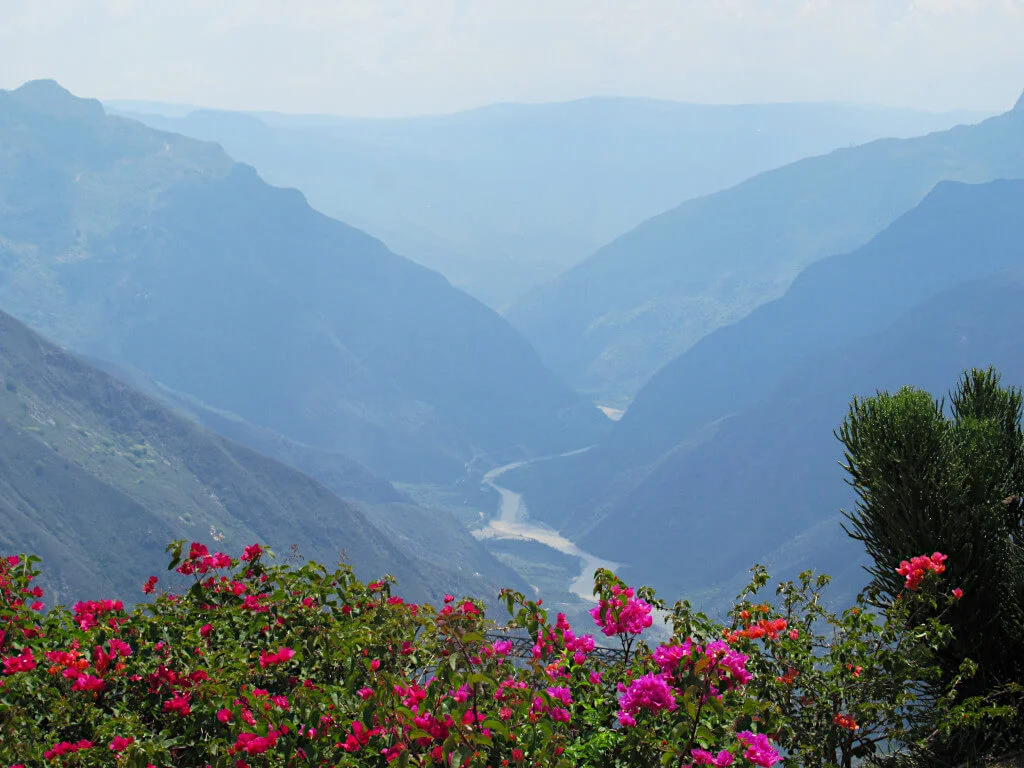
512 523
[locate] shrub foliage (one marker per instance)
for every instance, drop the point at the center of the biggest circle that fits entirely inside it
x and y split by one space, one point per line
260 664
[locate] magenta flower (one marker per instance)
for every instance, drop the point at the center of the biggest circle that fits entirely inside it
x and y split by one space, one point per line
650 692
759 749
121 743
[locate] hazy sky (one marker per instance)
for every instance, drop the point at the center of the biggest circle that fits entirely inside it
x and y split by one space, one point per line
395 57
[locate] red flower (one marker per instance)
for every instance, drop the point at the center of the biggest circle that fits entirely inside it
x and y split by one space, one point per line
915 569
178 704
846 721
24 662
121 743
278 657
150 585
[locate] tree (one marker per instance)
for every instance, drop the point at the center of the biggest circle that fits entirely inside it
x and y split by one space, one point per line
931 478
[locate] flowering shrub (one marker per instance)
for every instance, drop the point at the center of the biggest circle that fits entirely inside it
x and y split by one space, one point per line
267 665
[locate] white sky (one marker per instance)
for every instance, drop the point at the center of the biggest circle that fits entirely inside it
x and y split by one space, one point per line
399 57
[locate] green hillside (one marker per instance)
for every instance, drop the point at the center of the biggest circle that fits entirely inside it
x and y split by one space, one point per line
97 478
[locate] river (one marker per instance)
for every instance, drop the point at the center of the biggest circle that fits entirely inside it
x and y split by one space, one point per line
512 522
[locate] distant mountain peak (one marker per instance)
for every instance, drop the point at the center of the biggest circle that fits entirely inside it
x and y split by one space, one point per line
45 87
51 97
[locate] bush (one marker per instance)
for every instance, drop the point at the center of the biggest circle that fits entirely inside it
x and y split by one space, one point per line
930 480
273 665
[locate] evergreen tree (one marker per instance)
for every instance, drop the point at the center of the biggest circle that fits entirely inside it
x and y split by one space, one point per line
931 478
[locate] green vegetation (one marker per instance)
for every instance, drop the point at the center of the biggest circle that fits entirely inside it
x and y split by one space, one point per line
282 665
929 480
262 665
96 475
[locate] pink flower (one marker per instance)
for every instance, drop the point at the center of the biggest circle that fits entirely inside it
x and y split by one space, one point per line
252 552
703 757
197 551
278 657
150 585
66 747
23 662
121 743
915 569
958 593
667 657
502 647
13 560
252 744
224 715
179 703
561 694
88 683
650 692
622 613
759 749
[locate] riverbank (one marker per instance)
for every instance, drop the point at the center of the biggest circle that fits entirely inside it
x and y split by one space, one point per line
512 522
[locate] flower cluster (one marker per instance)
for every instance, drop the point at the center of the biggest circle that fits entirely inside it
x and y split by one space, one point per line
759 750
650 692
266 665
622 612
200 560
914 570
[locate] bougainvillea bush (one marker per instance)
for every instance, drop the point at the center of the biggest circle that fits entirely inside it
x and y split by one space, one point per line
259 664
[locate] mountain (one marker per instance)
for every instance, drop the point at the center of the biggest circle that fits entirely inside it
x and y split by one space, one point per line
97 479
737 431
161 254
610 322
958 232
768 486
502 198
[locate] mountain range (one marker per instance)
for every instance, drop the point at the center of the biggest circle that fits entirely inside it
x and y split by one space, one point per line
609 323
97 478
502 198
159 254
728 452
236 365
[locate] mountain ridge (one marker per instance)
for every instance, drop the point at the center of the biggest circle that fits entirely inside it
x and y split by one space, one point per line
610 322
98 478
159 252
506 196
689 441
